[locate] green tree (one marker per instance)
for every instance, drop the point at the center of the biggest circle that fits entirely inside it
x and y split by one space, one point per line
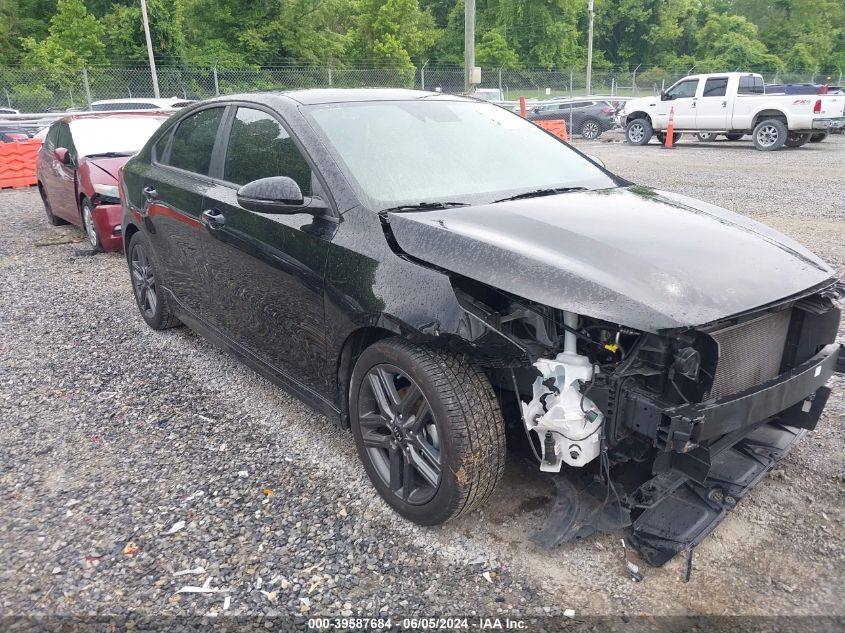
730 42
75 37
493 51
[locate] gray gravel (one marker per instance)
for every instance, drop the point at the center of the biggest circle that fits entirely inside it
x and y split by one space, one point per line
112 434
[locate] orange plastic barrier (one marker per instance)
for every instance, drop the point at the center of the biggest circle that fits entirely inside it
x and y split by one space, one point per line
556 127
17 163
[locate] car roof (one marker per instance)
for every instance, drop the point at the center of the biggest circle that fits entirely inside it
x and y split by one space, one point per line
157 101
317 96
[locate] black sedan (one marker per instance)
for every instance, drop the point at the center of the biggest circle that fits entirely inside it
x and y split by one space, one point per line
434 271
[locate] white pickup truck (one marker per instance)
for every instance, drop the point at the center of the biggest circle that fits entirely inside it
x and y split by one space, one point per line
734 104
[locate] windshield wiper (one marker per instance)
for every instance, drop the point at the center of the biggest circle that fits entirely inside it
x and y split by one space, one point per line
539 193
426 206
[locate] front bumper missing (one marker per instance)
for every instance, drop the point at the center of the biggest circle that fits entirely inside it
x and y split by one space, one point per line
712 454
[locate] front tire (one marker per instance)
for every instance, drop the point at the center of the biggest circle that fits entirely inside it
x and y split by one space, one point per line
638 132
90 227
150 296
734 137
590 129
770 135
428 430
706 137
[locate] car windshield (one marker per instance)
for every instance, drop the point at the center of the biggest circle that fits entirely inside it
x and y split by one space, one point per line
123 135
437 149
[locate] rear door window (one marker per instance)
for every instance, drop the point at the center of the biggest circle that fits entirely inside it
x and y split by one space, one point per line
193 141
259 147
715 87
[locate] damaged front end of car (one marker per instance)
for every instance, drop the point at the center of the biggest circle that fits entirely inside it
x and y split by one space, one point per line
663 432
660 380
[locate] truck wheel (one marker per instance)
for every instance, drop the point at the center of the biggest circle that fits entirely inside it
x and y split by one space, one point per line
795 139
770 135
706 137
818 137
734 137
638 132
661 136
428 429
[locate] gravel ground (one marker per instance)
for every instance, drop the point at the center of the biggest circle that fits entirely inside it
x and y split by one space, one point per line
128 455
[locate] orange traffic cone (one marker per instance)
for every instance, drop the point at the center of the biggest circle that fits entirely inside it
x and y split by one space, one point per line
670 130
563 133
522 107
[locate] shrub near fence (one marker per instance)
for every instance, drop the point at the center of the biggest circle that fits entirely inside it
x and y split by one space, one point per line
40 90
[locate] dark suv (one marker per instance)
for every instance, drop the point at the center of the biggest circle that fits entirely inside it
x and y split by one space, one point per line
391 258
586 117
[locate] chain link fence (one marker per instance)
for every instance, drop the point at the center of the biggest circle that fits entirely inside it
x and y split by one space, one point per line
50 89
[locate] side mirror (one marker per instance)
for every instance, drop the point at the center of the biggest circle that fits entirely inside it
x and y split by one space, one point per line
277 194
62 155
664 96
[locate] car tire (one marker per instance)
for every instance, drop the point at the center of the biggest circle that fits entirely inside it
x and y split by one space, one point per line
89 227
52 219
770 135
638 132
430 418
706 137
818 137
796 139
734 137
590 129
661 136
150 296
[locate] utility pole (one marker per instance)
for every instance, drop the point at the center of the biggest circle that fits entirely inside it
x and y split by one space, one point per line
469 43
150 48
591 15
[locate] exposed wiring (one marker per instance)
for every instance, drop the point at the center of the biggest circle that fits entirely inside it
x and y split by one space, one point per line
522 416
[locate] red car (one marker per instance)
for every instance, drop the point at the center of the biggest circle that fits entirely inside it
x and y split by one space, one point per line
77 170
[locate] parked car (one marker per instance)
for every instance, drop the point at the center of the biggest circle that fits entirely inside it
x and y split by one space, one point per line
11 132
9 111
432 288
587 117
733 103
77 170
114 105
494 95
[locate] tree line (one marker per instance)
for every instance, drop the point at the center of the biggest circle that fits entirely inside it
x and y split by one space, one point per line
794 35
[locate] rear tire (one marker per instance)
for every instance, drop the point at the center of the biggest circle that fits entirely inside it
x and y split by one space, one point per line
818 137
150 296
52 219
794 139
770 135
661 136
638 132
590 129
428 430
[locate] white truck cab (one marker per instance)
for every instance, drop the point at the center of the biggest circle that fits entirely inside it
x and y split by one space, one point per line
734 104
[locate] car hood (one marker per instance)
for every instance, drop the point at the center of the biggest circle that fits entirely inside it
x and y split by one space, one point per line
107 165
635 256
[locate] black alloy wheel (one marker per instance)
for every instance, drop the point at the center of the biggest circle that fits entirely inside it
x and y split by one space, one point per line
149 295
590 129
428 429
400 434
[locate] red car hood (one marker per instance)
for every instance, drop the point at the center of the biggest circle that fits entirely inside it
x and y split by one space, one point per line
107 167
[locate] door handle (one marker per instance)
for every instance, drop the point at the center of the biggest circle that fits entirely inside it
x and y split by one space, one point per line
149 193
213 218
724 104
